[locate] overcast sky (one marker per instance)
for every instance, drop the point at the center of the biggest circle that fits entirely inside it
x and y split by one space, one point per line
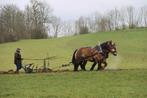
72 9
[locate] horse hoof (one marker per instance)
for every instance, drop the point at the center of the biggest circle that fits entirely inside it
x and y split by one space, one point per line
75 70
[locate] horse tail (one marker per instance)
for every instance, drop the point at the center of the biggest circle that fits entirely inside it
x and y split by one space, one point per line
73 57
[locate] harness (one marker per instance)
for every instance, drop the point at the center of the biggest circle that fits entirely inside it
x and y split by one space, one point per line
100 47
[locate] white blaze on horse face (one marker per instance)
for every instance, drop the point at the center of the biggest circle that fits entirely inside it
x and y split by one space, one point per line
113 50
113 44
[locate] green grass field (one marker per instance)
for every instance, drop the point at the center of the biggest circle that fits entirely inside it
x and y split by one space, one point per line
104 84
131 47
130 82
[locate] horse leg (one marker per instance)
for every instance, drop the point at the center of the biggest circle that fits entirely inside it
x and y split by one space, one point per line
105 65
93 66
99 66
76 67
83 65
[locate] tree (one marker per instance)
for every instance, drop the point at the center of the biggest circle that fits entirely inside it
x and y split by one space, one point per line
56 25
96 21
123 19
84 30
143 13
131 17
38 14
66 28
82 25
104 24
12 23
114 19
31 23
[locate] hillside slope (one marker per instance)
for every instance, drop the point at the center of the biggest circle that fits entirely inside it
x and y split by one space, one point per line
131 47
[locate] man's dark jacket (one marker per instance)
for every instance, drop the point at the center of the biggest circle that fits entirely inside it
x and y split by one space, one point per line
17 58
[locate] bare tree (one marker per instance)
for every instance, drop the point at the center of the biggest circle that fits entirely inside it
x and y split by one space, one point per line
12 23
97 18
104 24
82 25
31 23
56 25
38 14
143 13
131 16
68 28
123 19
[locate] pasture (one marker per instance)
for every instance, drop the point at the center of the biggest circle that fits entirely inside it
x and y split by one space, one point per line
125 76
104 84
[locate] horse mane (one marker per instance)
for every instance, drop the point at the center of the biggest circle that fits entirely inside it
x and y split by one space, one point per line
104 48
104 44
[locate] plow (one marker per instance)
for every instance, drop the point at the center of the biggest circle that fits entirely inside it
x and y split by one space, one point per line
29 68
32 68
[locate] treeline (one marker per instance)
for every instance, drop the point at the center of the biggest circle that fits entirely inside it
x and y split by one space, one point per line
32 23
37 21
116 19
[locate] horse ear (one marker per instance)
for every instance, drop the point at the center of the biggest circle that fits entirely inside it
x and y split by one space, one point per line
110 41
113 44
99 43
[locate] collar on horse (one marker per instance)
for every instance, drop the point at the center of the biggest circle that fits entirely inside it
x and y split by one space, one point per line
102 48
99 48
105 50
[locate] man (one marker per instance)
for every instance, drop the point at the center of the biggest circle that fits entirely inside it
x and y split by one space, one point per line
17 60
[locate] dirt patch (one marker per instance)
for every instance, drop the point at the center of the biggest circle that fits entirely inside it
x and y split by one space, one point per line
11 71
60 71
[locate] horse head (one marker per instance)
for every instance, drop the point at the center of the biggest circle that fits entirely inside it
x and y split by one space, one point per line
111 48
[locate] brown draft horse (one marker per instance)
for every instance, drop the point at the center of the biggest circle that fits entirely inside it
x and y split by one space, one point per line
98 55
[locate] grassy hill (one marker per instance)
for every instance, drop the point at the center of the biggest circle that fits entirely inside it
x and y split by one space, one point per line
127 83
104 84
131 47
